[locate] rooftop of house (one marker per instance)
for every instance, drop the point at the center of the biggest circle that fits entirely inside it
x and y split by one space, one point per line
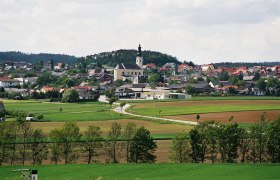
128 66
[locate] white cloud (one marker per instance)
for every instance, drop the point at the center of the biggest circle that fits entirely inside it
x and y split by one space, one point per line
199 30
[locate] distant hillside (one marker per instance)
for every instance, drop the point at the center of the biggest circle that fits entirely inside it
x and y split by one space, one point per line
128 56
32 58
248 64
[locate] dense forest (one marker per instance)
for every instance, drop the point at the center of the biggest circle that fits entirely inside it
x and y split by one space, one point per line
128 56
32 58
248 64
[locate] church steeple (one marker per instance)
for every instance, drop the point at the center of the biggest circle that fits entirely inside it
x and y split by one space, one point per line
139 53
139 58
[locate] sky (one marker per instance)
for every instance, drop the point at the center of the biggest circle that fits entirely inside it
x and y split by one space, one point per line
202 31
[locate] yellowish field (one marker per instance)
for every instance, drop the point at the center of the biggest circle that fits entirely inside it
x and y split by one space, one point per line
154 127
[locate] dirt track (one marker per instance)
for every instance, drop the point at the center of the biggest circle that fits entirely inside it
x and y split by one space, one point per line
239 117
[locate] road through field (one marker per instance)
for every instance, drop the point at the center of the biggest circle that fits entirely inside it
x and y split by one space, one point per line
123 111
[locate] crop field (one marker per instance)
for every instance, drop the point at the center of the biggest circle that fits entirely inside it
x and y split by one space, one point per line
157 129
70 112
149 171
223 117
220 110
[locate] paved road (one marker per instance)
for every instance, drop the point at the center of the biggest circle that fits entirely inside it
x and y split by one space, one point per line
123 110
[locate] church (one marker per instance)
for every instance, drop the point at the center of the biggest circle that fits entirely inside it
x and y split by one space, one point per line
131 72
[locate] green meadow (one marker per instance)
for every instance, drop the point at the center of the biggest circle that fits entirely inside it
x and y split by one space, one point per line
207 98
94 111
182 110
149 171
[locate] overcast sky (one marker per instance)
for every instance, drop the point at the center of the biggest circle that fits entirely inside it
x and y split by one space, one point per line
203 31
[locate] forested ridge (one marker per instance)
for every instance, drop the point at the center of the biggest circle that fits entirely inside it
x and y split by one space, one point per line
128 56
32 58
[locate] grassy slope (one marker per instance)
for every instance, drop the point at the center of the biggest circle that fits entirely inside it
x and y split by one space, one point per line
71 112
152 171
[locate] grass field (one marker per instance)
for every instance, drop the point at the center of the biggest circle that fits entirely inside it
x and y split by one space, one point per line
150 171
207 98
70 112
194 107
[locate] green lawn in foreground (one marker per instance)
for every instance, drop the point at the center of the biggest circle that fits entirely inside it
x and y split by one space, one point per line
181 110
150 171
71 111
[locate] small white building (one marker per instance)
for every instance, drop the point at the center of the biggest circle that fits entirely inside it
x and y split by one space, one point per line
164 94
31 80
9 82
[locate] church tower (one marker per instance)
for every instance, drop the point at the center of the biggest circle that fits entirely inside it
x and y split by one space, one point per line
139 58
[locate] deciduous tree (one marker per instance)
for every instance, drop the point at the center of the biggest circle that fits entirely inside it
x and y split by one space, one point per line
180 150
143 147
92 141
113 144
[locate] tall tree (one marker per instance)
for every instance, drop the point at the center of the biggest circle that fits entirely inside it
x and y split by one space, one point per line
211 134
143 147
259 135
113 144
26 131
92 142
128 133
55 145
39 149
228 140
198 144
7 142
244 144
180 149
273 146
69 138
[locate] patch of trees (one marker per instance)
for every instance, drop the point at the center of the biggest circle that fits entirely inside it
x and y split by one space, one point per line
128 56
33 58
20 143
229 143
271 86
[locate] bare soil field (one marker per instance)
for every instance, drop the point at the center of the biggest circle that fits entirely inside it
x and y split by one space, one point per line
239 117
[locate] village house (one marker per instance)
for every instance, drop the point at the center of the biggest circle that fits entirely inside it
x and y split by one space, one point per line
145 91
184 67
7 82
31 80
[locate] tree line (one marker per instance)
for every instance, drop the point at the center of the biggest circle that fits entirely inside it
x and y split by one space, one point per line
33 58
207 142
229 143
19 143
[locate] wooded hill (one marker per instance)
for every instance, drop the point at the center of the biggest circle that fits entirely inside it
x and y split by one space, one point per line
32 58
128 56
